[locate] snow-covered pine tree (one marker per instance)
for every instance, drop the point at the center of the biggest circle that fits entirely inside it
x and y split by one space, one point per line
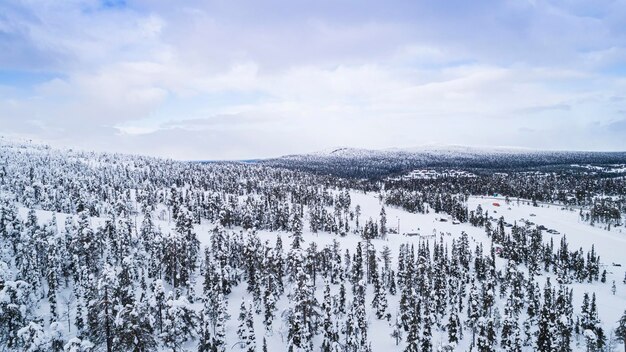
454 326
219 331
16 306
383 223
251 335
56 337
510 333
546 337
179 322
379 302
32 338
302 313
564 321
329 334
205 330
413 334
398 329
133 328
426 344
620 331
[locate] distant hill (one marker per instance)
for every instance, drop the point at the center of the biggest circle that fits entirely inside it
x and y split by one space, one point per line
373 164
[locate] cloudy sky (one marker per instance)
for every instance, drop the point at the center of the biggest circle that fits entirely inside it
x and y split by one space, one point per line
235 79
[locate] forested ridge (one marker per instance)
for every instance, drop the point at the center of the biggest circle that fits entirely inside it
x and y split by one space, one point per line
112 252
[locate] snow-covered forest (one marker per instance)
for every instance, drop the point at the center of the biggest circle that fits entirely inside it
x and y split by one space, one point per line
113 252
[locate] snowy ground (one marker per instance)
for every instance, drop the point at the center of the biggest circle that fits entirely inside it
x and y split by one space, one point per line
611 246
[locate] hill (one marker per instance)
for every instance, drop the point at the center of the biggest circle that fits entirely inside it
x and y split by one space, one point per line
376 164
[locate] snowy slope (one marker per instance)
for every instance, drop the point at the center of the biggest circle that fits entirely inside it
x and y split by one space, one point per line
611 246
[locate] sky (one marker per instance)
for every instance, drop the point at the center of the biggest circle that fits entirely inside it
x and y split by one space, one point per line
229 79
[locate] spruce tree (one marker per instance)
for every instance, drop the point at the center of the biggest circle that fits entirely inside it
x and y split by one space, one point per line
219 334
413 338
397 330
379 302
454 326
620 331
57 338
250 342
179 323
16 305
205 338
426 344
330 336
547 320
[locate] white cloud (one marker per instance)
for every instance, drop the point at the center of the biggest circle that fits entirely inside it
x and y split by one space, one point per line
261 83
